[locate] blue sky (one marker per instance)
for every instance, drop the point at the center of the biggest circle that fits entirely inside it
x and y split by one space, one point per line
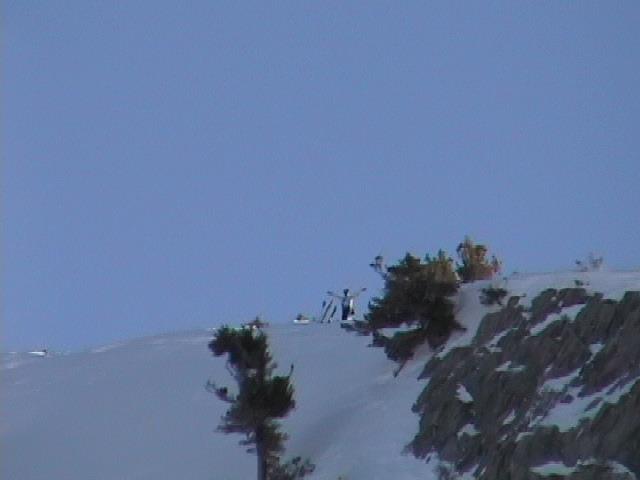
172 165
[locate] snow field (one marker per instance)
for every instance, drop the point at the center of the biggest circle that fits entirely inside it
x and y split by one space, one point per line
139 409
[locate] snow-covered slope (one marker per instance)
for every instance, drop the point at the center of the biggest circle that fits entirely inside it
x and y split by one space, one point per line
549 380
139 409
611 284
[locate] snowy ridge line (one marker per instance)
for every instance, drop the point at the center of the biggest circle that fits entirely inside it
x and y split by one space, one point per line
612 284
353 416
156 419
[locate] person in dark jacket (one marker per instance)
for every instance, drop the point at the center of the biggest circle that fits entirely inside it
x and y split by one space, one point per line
347 302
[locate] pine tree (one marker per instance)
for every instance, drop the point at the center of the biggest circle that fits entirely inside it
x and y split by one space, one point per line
417 293
475 265
262 398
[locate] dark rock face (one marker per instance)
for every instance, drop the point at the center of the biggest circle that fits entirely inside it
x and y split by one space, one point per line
539 386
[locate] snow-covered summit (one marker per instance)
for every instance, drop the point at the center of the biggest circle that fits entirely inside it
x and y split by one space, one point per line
139 409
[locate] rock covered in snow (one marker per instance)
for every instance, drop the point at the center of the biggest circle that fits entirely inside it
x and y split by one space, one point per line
543 395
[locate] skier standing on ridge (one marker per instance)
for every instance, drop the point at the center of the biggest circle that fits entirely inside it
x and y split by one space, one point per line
347 301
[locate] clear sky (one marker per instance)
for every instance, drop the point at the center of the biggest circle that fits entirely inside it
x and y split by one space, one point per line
170 165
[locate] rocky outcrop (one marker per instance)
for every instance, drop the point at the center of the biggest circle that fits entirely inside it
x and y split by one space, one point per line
553 384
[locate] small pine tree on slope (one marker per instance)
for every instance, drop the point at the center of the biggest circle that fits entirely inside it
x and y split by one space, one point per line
262 398
417 293
475 265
